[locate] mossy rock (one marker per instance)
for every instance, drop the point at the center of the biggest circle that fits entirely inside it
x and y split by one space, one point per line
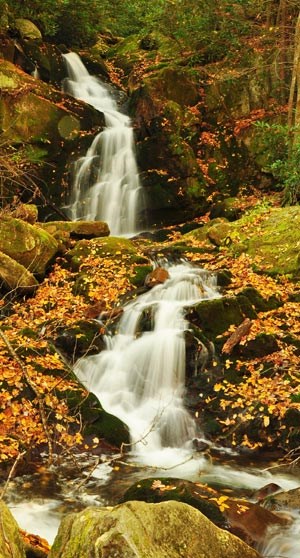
147 490
83 338
29 245
276 247
228 209
46 58
215 316
27 29
141 530
271 236
15 276
260 303
174 84
262 345
98 422
110 247
10 538
79 229
140 274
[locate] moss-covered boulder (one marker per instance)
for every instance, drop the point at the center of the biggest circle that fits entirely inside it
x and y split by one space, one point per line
110 247
140 530
215 316
10 539
15 276
269 235
29 245
27 29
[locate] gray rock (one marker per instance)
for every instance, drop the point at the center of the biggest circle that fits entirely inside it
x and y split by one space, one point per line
140 530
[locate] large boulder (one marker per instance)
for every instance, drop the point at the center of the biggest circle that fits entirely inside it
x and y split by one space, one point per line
27 29
140 530
29 245
269 235
15 276
10 540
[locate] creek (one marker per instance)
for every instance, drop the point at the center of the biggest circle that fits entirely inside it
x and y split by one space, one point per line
140 376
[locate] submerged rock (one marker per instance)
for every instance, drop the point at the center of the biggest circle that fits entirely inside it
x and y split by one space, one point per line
140 530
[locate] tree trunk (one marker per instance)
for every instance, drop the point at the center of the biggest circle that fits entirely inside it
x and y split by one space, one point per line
294 110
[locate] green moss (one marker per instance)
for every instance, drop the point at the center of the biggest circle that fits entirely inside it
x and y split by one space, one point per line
215 316
141 272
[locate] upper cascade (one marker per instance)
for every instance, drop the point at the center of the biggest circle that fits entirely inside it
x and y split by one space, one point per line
106 185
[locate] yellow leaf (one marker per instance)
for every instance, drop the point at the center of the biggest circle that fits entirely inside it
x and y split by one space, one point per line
266 421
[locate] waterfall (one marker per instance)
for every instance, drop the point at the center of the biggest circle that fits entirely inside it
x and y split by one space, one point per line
106 183
140 377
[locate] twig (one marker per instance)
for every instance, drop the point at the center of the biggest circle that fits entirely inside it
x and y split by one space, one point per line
11 472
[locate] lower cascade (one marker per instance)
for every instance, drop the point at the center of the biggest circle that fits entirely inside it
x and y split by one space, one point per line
140 377
106 183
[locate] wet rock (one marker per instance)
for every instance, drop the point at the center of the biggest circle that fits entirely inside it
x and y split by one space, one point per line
289 499
98 422
156 490
137 530
266 490
156 277
252 521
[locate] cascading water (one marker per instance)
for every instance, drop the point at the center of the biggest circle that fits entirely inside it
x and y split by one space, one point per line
106 184
141 376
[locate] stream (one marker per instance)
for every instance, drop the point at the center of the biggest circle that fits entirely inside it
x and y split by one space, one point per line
140 376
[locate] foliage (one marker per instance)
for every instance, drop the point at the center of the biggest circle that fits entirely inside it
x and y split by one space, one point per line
283 163
70 22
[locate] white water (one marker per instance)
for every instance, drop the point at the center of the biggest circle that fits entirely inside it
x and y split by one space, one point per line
106 185
282 543
141 376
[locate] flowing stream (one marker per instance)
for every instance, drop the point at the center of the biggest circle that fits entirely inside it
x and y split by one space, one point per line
140 377
106 185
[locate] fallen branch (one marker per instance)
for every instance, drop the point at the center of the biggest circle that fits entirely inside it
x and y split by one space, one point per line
240 332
